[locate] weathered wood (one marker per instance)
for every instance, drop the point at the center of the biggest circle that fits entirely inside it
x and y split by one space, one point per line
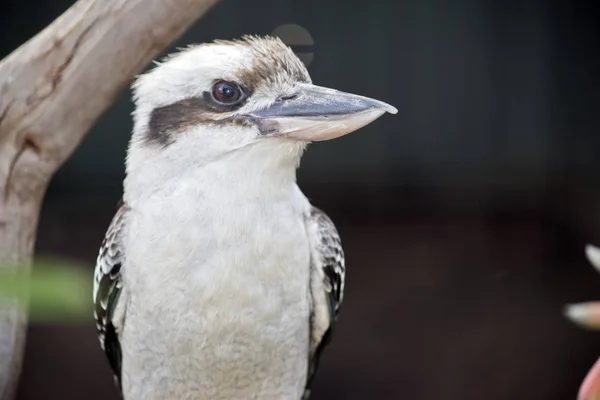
52 89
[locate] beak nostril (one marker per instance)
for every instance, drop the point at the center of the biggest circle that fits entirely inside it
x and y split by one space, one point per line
288 97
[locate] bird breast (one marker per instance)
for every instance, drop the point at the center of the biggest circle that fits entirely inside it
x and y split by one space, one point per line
218 294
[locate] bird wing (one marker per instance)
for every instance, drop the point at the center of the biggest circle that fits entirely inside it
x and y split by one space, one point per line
328 273
108 310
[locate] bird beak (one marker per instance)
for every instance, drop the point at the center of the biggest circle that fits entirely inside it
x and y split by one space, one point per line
316 113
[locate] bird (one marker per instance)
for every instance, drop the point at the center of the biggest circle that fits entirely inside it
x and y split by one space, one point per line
217 279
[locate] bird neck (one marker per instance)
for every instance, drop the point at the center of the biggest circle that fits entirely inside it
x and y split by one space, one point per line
262 170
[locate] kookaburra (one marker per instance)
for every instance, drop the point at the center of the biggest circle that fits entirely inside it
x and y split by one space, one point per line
217 279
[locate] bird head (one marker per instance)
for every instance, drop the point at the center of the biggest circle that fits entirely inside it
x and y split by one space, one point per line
230 99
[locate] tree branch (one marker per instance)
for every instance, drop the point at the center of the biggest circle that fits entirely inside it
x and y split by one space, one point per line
52 89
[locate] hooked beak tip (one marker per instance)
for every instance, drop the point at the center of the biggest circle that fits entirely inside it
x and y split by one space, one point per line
389 108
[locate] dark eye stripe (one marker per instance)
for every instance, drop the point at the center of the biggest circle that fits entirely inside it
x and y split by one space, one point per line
167 121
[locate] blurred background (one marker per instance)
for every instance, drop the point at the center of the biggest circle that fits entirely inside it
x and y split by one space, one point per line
464 217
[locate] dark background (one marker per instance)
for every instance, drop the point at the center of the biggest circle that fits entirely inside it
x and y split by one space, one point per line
464 217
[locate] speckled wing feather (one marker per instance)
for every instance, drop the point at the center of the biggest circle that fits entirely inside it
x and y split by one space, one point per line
107 290
327 285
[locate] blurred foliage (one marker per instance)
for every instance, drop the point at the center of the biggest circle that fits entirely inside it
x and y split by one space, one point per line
57 291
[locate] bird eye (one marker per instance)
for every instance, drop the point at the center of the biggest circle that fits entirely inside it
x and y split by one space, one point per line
226 93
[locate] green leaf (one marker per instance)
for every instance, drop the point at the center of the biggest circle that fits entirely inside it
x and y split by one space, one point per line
58 290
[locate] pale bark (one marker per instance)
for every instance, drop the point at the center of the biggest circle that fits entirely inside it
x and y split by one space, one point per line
52 89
